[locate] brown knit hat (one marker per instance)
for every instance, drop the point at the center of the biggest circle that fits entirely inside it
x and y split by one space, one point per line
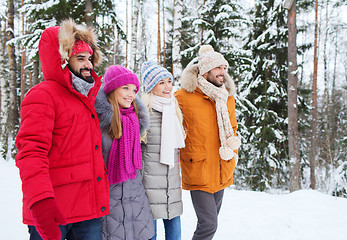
209 59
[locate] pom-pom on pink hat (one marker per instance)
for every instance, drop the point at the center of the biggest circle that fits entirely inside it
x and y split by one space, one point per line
117 76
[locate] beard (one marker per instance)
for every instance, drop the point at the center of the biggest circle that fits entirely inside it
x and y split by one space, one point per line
88 79
214 81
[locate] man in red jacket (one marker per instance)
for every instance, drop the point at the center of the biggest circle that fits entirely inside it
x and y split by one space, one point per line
64 183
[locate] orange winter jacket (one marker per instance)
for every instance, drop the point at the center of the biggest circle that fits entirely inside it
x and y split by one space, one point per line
202 168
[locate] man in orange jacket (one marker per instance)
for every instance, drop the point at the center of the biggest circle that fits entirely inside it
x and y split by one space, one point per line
211 147
64 182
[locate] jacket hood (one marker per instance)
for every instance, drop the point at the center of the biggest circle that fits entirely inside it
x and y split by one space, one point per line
56 45
70 32
189 80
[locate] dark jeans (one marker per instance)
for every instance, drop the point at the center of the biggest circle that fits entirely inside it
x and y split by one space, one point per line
206 206
85 230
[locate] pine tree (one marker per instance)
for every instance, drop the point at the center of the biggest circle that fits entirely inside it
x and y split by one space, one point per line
264 93
189 34
187 38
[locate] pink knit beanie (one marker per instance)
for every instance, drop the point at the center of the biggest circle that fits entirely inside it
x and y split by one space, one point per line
209 59
117 76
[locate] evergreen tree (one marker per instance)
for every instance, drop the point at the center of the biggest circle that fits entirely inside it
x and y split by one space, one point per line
338 168
189 33
264 97
169 39
220 24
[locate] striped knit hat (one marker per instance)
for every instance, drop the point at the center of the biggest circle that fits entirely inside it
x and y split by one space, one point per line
152 74
209 59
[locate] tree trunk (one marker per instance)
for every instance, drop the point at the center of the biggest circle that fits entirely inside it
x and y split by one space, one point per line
293 132
327 120
313 154
164 50
176 42
333 103
158 40
23 63
12 121
2 73
202 30
143 36
88 13
13 113
36 73
134 23
4 95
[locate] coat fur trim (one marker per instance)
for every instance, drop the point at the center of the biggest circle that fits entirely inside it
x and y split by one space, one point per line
70 32
189 80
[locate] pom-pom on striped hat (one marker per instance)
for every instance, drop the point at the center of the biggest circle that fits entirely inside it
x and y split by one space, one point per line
152 74
209 59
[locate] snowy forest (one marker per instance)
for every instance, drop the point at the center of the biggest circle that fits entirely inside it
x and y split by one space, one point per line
288 59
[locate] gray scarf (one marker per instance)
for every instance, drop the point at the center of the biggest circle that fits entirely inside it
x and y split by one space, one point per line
80 85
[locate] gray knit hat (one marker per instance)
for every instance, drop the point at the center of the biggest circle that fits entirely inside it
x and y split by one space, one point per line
209 59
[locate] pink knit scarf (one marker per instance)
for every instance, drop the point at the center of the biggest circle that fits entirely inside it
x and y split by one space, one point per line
125 155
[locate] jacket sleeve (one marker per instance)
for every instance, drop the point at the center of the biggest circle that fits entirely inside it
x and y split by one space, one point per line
232 115
144 120
34 141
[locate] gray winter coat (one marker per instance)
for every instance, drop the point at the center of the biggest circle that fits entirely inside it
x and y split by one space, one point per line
162 184
130 217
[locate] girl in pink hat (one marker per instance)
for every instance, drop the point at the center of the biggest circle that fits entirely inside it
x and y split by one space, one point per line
122 120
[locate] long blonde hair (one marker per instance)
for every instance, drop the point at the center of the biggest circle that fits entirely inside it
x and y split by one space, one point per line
115 130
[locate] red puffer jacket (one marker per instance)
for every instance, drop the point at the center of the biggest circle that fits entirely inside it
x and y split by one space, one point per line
59 142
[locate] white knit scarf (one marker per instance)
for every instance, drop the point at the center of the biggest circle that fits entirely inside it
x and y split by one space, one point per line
171 131
229 142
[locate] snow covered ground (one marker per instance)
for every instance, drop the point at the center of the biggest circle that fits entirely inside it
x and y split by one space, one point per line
245 215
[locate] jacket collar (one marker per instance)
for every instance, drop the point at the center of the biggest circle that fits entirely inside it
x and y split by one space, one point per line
189 80
52 61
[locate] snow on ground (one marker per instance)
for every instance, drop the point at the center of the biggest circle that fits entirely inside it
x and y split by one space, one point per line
245 215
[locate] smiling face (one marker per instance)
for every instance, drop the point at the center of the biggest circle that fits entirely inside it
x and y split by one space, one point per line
163 88
81 65
125 95
216 75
